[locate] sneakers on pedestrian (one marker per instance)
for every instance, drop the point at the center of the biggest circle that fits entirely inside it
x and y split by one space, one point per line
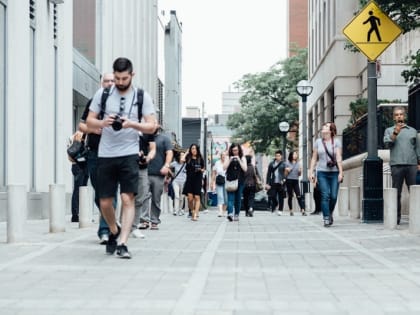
236 217
74 218
230 217
122 251
206 211
327 222
174 213
103 239
181 212
112 242
279 212
137 234
291 213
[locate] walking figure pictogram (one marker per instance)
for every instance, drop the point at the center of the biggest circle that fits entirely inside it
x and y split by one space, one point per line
374 23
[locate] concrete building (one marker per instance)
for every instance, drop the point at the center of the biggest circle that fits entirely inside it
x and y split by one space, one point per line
35 96
339 76
173 77
230 102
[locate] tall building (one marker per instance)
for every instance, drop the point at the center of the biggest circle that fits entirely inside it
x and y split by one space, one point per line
298 25
230 102
172 121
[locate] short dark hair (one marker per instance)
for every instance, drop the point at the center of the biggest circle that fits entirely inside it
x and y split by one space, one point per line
122 64
279 152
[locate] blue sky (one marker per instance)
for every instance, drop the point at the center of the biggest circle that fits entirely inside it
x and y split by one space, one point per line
225 39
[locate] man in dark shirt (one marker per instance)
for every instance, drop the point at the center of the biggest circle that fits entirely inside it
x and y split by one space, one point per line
92 143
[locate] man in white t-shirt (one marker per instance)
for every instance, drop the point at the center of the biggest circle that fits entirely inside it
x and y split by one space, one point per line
118 159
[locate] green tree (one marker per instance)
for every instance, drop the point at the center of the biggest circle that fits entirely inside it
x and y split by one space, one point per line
407 15
270 97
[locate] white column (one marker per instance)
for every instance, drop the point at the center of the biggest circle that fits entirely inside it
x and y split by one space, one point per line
57 208
354 202
85 206
343 201
390 208
16 212
414 216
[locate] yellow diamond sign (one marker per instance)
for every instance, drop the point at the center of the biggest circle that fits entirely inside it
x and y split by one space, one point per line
372 31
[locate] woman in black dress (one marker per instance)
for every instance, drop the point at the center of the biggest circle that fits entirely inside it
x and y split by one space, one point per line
194 164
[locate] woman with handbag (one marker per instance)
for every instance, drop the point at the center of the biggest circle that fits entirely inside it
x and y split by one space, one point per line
178 182
235 167
249 187
194 164
293 171
328 160
218 184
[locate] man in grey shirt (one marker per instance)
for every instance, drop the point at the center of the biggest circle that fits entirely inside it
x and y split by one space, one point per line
118 150
401 139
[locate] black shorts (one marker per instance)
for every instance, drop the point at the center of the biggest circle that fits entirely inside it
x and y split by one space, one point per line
123 170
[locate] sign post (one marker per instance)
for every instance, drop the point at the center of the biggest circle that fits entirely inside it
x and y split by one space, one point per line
372 31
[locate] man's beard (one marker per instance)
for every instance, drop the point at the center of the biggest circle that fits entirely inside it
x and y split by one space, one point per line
123 88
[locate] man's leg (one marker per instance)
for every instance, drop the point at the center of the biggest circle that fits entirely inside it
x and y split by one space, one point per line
156 189
397 174
127 210
142 199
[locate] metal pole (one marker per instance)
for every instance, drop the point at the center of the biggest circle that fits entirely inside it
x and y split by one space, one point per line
373 201
284 146
304 148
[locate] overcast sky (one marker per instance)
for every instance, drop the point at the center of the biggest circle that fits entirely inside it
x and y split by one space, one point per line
223 40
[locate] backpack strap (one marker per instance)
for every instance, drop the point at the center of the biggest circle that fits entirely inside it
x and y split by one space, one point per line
104 97
140 96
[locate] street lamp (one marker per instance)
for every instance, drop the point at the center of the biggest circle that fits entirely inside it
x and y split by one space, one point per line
284 128
304 89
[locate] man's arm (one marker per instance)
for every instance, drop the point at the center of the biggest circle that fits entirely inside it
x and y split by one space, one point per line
169 154
149 125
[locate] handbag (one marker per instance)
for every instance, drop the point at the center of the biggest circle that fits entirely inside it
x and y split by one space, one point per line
220 180
231 185
77 151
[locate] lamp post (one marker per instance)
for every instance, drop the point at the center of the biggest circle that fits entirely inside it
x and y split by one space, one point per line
284 128
304 89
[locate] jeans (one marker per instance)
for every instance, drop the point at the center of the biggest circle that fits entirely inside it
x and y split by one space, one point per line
293 186
142 199
92 162
399 174
249 196
221 195
156 188
81 177
277 196
179 197
234 200
328 186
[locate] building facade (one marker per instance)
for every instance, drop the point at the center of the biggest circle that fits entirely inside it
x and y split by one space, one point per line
298 25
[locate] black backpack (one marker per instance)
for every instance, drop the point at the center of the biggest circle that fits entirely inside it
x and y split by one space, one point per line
139 103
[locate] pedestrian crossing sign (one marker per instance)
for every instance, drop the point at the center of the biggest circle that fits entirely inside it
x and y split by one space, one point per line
372 31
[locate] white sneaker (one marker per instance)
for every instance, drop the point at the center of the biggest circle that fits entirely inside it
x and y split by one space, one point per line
279 212
137 234
206 211
103 240
181 212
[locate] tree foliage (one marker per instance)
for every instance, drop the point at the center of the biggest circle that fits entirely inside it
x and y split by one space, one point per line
270 98
406 13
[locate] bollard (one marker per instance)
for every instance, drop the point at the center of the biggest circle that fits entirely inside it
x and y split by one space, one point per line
57 208
17 203
343 202
85 206
414 214
354 202
308 206
390 208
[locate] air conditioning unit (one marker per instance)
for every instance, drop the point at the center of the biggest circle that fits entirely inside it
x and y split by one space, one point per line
57 1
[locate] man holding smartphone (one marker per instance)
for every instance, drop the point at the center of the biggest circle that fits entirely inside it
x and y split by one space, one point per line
404 160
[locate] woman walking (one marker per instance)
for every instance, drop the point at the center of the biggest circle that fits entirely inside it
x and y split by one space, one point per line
194 164
235 167
218 184
293 171
178 182
249 187
329 169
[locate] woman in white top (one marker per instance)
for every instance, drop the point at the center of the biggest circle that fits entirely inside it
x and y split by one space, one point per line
178 182
218 184
328 159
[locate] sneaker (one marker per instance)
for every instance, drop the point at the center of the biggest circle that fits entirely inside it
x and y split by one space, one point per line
122 252
181 212
251 212
137 234
75 218
103 239
230 217
279 212
291 213
206 211
174 213
220 214
326 222
111 246
236 217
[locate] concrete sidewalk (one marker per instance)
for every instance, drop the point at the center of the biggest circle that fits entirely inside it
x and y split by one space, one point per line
267 264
